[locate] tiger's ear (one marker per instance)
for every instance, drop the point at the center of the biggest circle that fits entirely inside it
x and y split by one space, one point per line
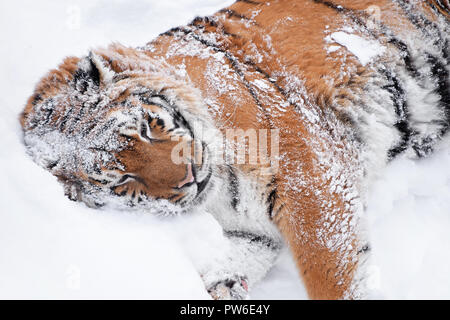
93 71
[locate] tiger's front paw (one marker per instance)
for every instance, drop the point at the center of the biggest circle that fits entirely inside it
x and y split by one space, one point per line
235 288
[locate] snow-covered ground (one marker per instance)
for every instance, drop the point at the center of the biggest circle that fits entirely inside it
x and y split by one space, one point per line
51 247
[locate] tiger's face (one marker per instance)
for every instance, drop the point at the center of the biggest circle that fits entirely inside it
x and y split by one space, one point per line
162 158
128 137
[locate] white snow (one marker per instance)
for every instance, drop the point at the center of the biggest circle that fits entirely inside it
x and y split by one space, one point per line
331 49
51 247
364 50
409 219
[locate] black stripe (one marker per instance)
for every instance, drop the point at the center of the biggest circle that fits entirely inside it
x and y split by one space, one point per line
143 132
52 164
103 182
398 97
99 149
136 178
88 129
162 97
331 5
252 237
365 249
94 73
441 74
197 22
64 120
271 202
36 99
170 32
249 2
269 78
234 14
48 115
206 20
233 188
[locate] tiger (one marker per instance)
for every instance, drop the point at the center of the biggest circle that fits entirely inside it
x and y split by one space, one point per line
342 86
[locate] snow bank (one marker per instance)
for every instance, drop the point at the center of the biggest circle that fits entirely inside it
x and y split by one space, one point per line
53 248
409 218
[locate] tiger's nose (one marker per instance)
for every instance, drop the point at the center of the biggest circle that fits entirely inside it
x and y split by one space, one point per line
189 176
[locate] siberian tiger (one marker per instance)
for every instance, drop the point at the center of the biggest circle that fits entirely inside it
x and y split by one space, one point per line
337 88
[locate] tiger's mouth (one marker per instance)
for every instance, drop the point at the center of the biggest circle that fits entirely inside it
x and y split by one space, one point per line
195 191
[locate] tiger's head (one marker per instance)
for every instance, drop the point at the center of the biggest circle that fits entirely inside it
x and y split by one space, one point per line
118 126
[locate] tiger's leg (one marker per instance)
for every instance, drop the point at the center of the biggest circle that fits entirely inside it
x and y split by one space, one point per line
254 241
249 258
330 255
